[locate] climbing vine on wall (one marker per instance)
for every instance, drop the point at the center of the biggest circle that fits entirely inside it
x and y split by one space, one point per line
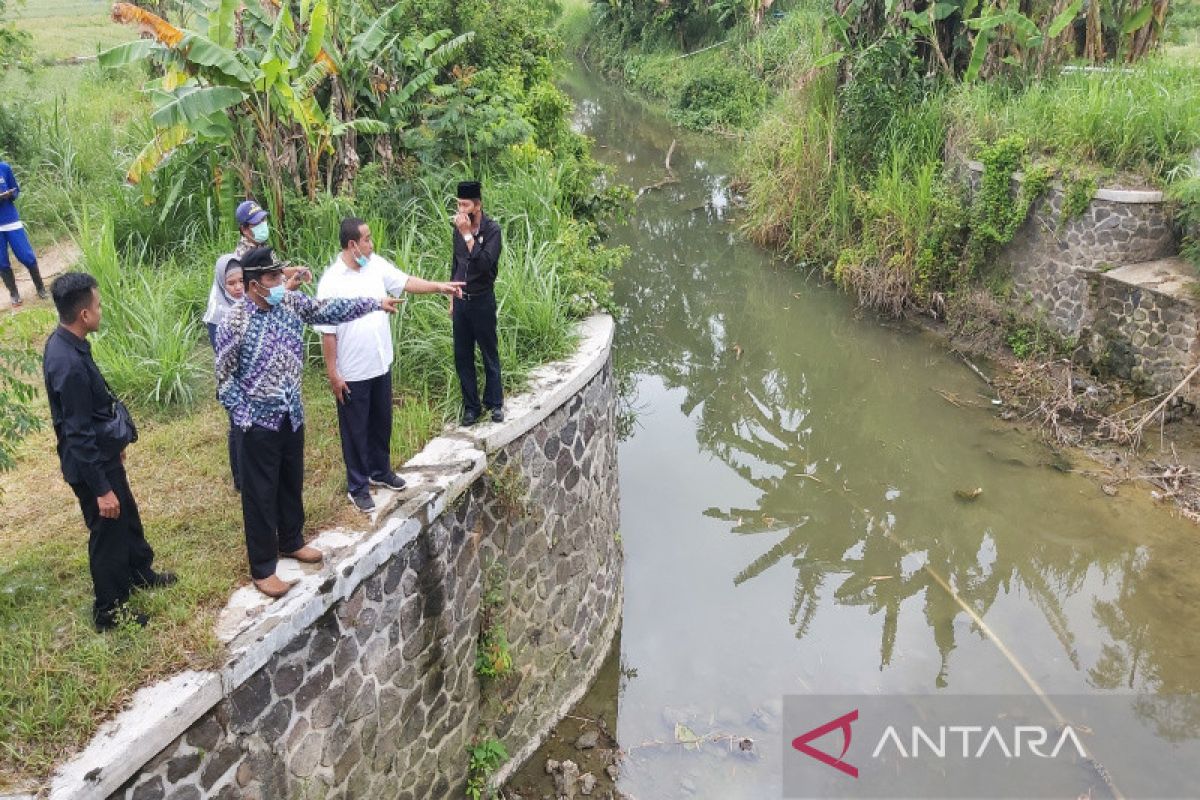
996 213
1078 192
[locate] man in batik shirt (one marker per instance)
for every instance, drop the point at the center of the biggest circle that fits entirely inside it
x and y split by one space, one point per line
260 357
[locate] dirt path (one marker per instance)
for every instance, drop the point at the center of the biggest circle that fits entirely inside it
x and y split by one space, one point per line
52 260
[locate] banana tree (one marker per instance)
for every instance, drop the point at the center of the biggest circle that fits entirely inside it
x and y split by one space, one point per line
245 81
974 39
385 68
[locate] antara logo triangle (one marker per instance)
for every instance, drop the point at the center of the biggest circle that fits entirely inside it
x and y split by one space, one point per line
842 723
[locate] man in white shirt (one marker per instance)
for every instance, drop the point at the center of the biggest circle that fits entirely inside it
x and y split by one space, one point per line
358 358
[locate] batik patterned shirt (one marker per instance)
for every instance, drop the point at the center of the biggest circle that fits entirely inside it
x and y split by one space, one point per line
260 355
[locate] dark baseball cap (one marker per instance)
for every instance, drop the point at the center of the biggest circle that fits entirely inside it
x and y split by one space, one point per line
249 213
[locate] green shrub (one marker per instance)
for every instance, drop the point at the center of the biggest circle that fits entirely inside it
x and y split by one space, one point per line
884 81
487 754
718 95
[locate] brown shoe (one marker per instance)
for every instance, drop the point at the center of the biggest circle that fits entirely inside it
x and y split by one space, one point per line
308 554
273 586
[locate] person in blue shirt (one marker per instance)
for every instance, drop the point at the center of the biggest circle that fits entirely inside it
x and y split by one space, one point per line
12 236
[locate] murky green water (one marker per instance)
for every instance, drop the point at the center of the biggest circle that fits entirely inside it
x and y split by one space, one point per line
788 494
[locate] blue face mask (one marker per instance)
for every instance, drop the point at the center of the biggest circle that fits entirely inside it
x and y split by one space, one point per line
260 232
275 294
361 260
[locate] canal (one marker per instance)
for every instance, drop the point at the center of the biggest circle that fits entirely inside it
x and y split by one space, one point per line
812 499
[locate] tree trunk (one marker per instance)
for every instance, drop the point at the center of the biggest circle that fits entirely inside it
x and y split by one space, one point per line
1093 47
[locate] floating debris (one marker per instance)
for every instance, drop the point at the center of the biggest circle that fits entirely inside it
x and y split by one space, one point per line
968 494
687 737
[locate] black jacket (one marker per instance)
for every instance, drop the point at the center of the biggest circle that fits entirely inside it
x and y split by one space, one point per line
79 398
478 266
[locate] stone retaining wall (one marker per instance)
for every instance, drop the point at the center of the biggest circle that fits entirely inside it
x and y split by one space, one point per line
1146 336
1052 260
361 682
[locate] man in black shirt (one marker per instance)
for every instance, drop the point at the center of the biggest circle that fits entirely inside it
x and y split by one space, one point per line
476 258
92 462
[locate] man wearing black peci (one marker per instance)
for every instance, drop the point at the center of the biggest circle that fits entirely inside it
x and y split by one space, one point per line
476 260
93 429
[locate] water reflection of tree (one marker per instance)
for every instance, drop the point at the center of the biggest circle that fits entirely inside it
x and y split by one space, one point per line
723 343
828 529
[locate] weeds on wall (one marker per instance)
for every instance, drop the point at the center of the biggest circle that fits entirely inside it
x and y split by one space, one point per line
487 755
510 488
493 655
1078 191
996 213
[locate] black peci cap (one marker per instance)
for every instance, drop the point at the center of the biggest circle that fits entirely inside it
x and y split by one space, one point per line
259 261
469 190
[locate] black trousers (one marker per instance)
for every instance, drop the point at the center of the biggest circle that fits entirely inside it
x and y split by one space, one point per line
272 494
119 556
475 324
365 422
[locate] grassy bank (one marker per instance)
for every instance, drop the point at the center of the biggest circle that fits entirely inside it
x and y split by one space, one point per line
71 132
849 148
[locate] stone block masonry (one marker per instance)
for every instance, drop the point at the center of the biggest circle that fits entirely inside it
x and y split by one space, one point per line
1145 323
1107 279
1051 260
360 683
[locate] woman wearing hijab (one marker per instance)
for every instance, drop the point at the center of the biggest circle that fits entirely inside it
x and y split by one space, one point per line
227 290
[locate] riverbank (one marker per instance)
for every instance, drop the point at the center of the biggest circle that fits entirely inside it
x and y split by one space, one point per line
853 164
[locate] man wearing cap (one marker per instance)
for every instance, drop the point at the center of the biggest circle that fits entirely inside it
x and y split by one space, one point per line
260 356
475 263
358 359
252 222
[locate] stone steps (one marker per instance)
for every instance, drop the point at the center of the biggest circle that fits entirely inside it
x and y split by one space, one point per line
1172 277
1145 321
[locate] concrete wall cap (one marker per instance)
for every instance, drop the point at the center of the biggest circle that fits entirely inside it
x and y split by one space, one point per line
1126 196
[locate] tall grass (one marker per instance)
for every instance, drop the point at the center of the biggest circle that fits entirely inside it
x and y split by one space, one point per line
798 195
724 87
1144 121
150 322
68 132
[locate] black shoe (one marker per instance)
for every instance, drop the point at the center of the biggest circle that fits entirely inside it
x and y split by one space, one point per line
43 294
116 620
469 418
160 580
15 299
389 481
497 415
362 502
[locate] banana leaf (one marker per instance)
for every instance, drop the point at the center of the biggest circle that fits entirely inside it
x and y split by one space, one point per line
1139 20
156 151
128 53
1064 19
317 22
207 53
189 105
